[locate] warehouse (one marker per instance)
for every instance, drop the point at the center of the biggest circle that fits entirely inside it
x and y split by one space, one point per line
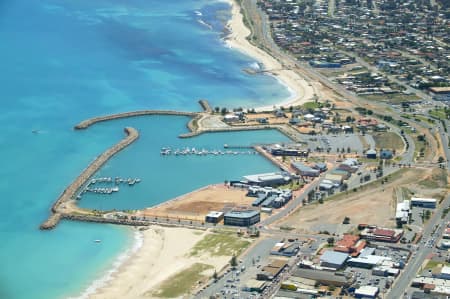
268 179
242 218
333 259
366 292
423 202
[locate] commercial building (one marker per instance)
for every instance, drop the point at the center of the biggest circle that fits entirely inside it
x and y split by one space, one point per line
214 217
305 170
381 234
366 292
336 279
368 262
268 179
333 259
254 285
350 244
442 272
423 202
403 211
272 270
242 218
285 249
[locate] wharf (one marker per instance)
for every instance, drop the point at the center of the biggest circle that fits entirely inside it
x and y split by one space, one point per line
70 192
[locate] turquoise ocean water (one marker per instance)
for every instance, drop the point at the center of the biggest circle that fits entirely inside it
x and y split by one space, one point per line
64 61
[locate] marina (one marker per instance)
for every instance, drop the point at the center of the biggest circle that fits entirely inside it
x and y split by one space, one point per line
108 185
167 151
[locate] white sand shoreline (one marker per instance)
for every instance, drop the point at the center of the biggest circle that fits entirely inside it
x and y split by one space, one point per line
152 257
301 91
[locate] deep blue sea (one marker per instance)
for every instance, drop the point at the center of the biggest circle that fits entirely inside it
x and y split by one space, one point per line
64 61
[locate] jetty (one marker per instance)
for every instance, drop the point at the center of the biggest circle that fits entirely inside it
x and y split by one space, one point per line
70 192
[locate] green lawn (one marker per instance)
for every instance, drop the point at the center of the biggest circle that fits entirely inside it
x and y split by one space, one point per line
182 282
220 244
433 264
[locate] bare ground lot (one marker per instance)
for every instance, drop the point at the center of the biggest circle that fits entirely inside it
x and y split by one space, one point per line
373 204
195 205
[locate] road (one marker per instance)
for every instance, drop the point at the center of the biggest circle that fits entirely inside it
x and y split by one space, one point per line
409 273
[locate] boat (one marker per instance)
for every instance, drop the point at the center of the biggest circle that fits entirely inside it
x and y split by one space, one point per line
97 241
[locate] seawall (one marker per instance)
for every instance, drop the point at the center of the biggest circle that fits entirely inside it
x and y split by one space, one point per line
91 121
80 181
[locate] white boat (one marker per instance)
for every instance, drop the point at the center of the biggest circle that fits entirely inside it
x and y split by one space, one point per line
97 241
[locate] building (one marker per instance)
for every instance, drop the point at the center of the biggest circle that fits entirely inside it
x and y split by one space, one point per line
368 261
386 154
242 218
403 211
325 277
268 179
381 234
371 154
305 170
440 93
285 249
272 270
442 273
350 244
423 202
366 292
343 173
214 217
254 285
322 167
333 259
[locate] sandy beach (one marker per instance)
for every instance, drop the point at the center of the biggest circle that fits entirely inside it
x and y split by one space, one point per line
301 90
163 253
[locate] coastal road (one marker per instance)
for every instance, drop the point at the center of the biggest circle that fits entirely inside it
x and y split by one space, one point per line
414 265
423 251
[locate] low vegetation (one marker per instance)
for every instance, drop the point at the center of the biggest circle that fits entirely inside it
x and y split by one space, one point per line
182 282
438 179
220 244
388 140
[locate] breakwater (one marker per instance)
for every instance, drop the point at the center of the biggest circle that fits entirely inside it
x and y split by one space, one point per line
71 191
91 121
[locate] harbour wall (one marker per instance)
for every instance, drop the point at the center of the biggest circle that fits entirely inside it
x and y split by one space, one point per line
72 189
91 121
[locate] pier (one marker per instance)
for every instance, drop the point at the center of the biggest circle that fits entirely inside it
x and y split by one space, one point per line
70 192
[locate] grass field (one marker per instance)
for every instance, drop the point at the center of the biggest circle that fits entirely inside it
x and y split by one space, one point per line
182 282
388 140
393 98
433 264
220 244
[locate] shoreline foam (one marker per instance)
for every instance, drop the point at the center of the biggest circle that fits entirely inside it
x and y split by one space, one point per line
236 39
119 262
299 93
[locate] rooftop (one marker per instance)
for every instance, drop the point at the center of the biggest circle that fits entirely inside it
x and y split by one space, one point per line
333 257
242 214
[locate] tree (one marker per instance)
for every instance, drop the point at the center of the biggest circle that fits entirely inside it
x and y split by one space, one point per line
330 241
217 109
441 159
233 261
346 220
215 275
224 110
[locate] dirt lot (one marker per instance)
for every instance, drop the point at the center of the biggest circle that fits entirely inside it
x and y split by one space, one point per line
195 205
374 204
